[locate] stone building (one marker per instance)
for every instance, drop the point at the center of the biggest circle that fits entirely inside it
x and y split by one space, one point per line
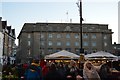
8 40
116 49
39 39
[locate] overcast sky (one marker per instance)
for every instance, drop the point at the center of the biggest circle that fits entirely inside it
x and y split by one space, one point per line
94 11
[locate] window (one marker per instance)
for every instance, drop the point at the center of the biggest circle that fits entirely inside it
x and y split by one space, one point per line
59 43
42 35
42 43
50 49
76 43
29 43
58 35
29 36
105 44
68 43
76 35
77 49
105 37
58 49
85 43
67 35
85 35
50 43
94 36
68 49
50 35
115 47
0 41
93 44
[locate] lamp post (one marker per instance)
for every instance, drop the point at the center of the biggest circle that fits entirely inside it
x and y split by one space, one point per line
47 41
40 56
79 4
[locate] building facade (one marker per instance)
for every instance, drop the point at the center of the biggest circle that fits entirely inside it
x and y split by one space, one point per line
119 22
8 41
1 42
39 39
116 49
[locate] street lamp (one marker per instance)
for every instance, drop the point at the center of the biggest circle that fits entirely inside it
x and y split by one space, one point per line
40 56
79 4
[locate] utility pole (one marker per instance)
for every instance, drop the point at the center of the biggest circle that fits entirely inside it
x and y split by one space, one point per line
79 4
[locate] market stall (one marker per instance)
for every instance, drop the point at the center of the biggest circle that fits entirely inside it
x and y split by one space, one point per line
100 58
101 55
62 55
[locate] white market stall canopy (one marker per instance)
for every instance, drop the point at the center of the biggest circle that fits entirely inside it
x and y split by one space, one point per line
101 55
62 55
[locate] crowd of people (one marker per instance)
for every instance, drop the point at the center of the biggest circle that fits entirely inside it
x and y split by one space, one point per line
43 70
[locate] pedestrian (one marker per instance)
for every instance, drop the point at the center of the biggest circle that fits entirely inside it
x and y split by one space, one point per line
45 68
106 70
89 72
34 71
62 70
53 73
73 72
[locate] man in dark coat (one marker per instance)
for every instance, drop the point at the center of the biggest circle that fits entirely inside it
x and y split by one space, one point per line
53 73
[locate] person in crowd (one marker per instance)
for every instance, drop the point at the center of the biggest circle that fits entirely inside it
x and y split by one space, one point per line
89 72
53 73
34 71
73 72
45 68
62 70
19 70
104 71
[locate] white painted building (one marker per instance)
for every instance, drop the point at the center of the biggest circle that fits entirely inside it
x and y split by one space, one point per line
1 47
119 22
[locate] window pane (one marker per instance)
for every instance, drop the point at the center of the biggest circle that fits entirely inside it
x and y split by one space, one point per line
50 49
50 43
67 35
105 44
59 43
105 37
58 49
29 43
85 35
29 36
42 43
76 35
68 49
93 43
67 43
85 43
58 35
76 43
42 35
50 35
94 36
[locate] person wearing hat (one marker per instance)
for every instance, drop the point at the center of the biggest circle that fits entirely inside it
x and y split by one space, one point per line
34 71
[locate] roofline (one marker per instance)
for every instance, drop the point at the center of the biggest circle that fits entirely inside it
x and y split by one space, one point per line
68 23
56 23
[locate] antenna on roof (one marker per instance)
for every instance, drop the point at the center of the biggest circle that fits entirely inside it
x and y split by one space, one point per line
70 20
67 16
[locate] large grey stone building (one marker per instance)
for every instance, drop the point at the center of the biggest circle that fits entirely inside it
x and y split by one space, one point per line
39 39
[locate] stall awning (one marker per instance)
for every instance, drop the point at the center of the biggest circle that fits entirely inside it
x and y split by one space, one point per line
62 55
101 55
